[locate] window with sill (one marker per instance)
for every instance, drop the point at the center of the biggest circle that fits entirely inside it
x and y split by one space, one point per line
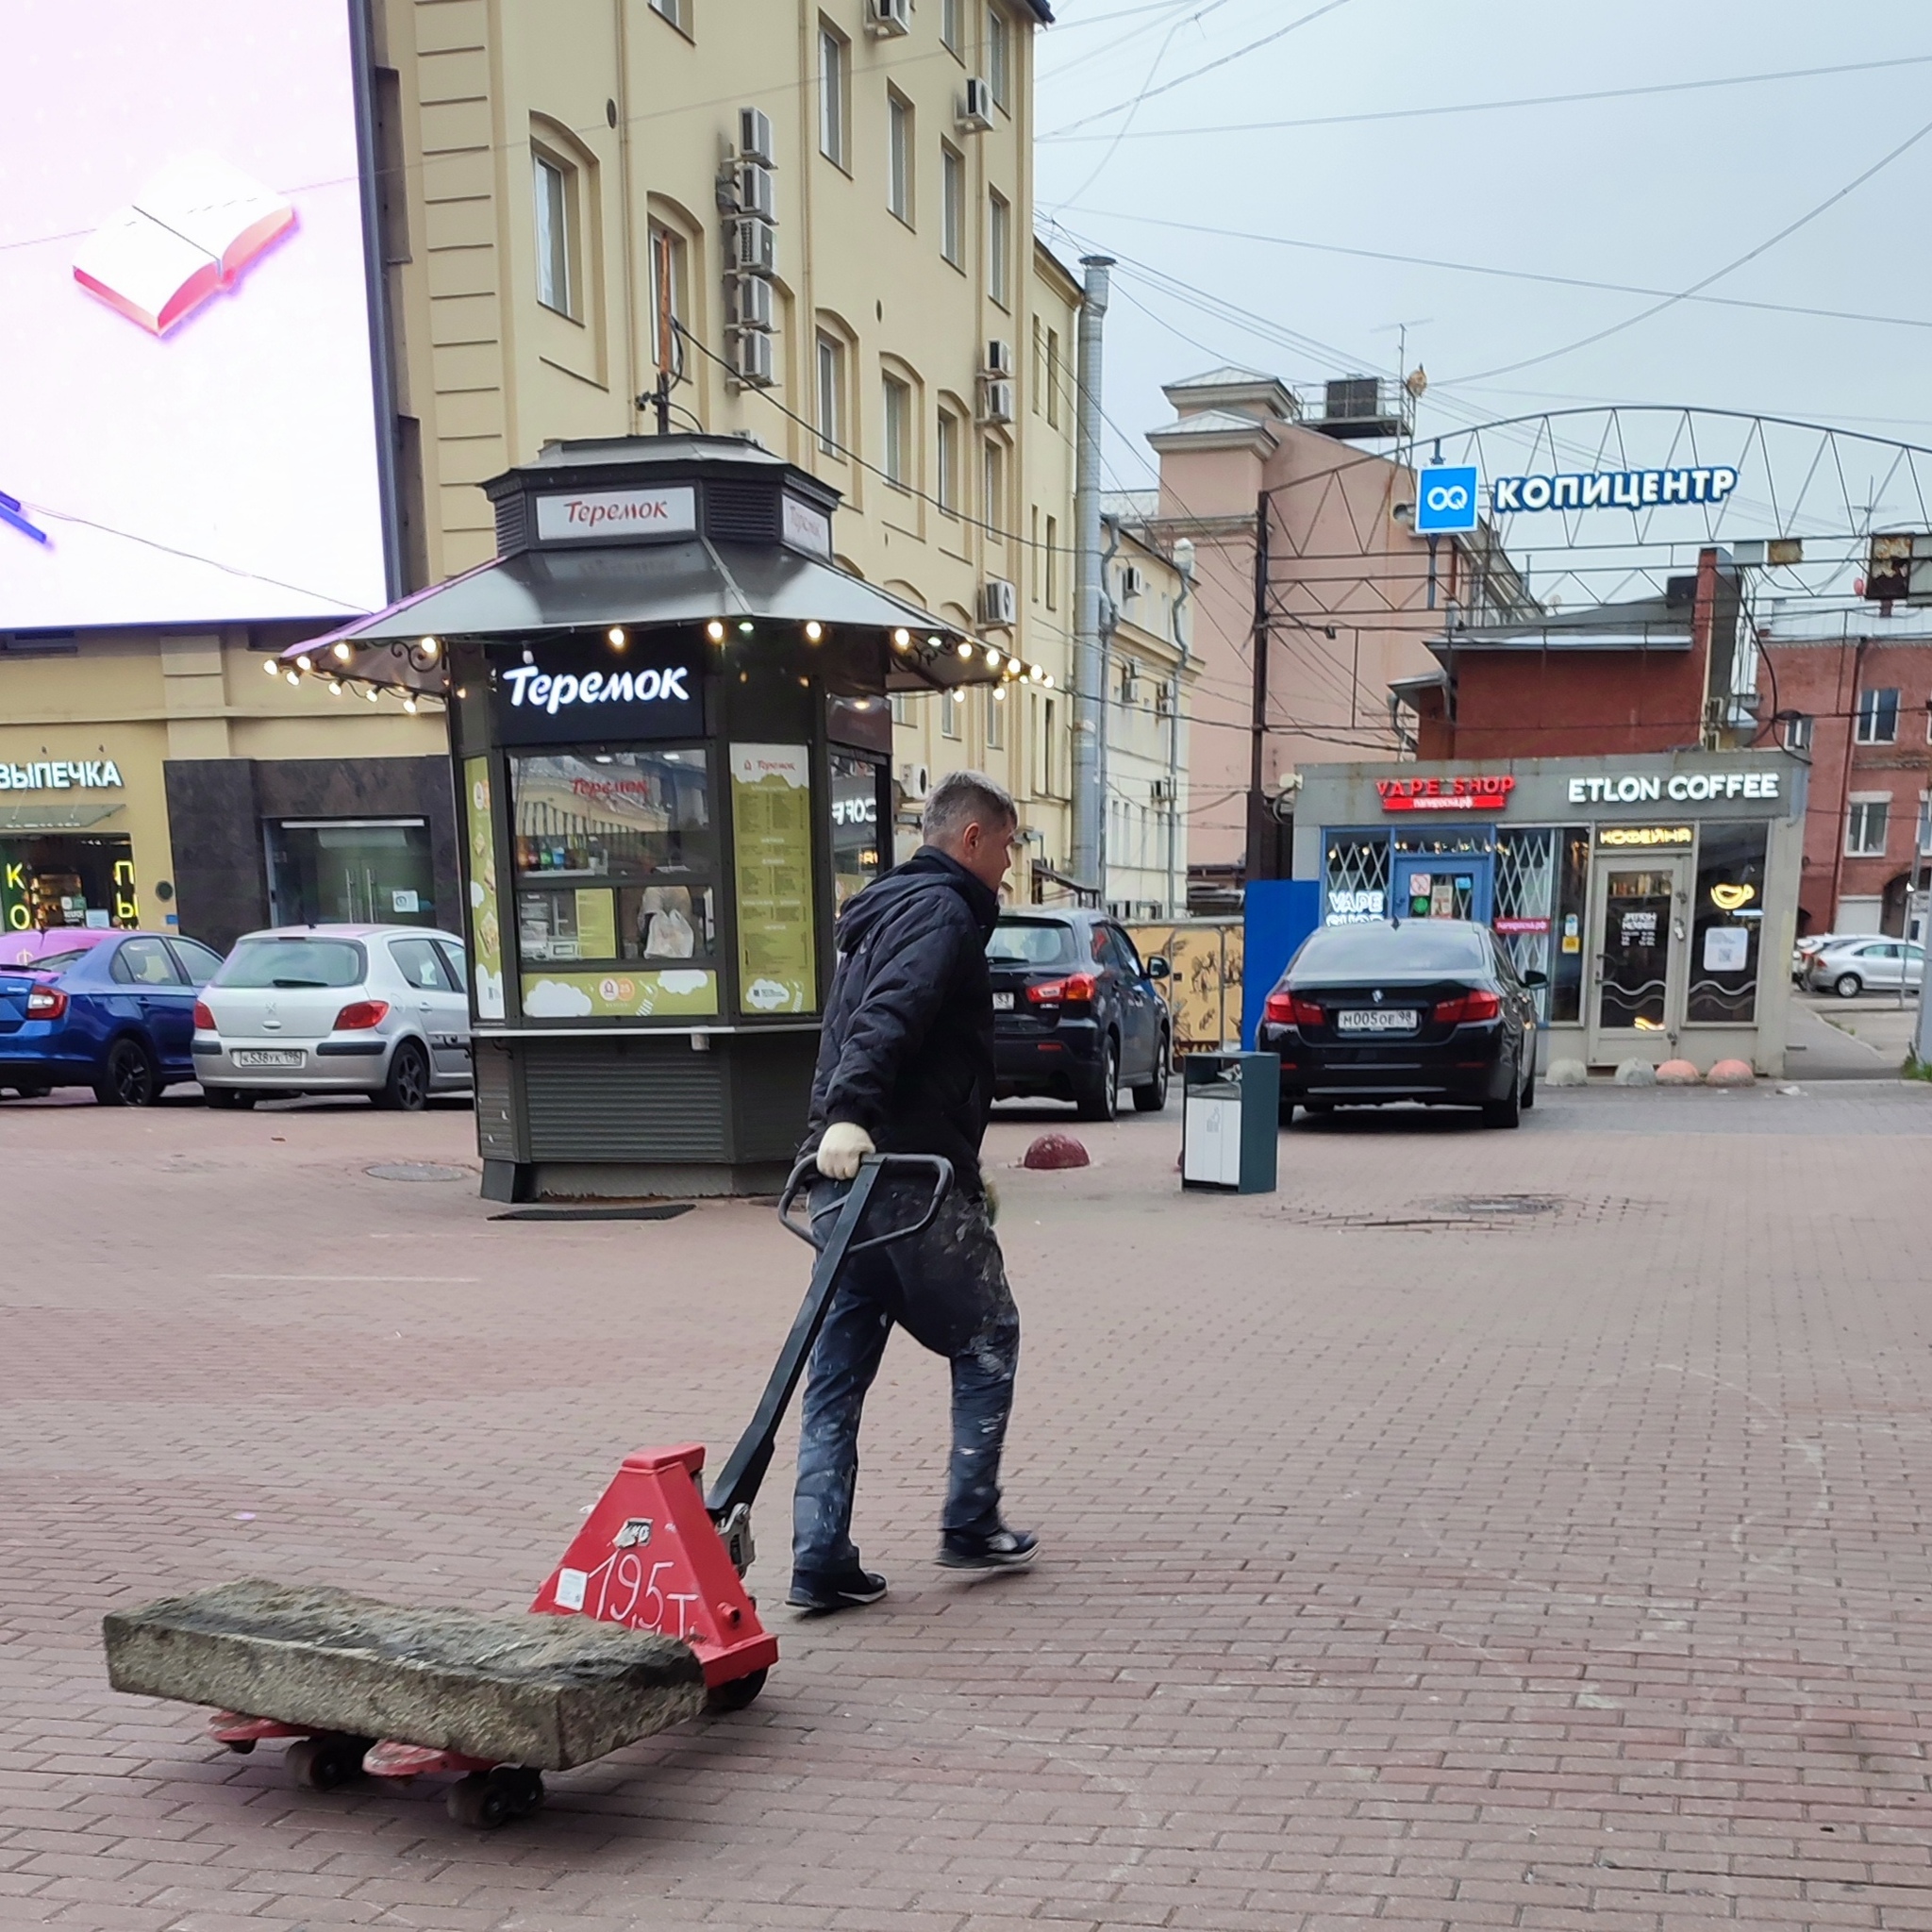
993 493
835 94
950 707
899 134
1865 828
953 26
1798 732
831 396
946 444
898 433
999 232
953 206
1878 717
676 11
999 54
555 182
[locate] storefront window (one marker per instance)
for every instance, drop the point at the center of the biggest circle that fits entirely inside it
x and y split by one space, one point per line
1525 887
1356 877
854 824
616 858
1727 923
49 882
377 871
1573 891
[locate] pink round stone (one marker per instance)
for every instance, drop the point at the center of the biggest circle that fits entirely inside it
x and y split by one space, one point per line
1731 1074
1056 1150
1677 1073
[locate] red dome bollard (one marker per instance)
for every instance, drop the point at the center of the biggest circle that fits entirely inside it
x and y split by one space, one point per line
1054 1151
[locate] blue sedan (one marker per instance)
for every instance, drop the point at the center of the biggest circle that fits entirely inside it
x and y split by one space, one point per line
115 1012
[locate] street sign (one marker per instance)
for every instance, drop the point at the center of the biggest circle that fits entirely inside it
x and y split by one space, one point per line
1445 501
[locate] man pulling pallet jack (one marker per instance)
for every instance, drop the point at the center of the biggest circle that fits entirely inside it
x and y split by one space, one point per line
905 1066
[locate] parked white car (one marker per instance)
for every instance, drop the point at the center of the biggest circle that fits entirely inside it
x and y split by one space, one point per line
375 1009
1851 966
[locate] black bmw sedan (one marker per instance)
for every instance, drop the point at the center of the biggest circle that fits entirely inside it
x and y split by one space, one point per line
1426 1010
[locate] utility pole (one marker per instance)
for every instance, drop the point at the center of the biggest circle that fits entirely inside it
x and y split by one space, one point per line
1089 701
1260 853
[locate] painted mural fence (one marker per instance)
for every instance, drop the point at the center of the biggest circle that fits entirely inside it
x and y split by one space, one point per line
1205 993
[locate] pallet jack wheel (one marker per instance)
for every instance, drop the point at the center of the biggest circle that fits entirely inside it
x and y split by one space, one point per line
735 1695
240 1746
486 1800
328 1762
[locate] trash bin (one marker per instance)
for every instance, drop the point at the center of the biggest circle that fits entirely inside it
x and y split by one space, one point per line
1230 1120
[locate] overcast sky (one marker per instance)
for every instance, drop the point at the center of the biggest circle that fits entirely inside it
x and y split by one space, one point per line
1655 190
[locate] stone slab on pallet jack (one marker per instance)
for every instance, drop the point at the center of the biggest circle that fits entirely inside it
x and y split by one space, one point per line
516 1688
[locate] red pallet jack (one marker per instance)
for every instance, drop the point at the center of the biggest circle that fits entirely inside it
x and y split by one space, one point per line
654 1553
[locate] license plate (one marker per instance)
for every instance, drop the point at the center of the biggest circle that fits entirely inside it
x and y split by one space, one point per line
267 1057
1003 1003
1374 1020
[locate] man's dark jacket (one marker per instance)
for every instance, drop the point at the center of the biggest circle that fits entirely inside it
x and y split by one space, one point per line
906 1052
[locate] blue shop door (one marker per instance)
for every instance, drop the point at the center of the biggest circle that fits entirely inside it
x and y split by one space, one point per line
1451 886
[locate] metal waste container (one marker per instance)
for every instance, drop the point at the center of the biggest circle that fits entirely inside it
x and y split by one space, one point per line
1230 1120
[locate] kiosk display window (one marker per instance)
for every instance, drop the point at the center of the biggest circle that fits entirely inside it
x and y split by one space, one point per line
1726 922
616 867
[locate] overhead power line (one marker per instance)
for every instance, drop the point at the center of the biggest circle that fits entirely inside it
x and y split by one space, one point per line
1607 93
1750 254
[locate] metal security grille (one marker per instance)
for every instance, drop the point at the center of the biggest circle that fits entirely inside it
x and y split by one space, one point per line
1357 876
1526 889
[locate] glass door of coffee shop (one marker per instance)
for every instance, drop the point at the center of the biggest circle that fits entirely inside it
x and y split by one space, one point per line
1638 921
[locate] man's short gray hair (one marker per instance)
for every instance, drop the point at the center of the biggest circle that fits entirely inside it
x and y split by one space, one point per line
961 798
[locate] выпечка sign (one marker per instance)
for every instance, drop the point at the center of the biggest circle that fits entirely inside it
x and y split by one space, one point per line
62 774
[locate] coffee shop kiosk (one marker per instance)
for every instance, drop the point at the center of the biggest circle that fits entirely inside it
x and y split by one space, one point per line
671 736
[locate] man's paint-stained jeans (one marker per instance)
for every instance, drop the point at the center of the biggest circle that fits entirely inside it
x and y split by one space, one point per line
947 1289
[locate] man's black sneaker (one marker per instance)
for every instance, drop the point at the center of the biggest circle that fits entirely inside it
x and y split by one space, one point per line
1003 1549
846 1592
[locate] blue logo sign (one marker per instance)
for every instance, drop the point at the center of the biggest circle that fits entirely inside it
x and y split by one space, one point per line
1445 501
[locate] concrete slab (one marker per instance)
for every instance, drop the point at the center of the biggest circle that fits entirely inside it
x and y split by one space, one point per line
549 1691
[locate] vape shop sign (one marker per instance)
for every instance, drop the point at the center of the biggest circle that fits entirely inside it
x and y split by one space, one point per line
1482 793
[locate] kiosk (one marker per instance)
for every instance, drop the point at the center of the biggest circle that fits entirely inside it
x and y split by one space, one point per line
671 736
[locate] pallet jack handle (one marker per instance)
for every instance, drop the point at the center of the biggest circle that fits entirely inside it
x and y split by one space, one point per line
729 1502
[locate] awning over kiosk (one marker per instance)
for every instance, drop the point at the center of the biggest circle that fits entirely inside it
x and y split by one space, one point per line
646 534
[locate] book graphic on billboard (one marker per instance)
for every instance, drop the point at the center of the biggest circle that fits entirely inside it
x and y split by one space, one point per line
193 229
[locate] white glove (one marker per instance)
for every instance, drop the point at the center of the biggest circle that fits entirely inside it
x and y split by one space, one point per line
842 1147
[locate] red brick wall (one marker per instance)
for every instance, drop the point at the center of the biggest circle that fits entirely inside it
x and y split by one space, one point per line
1823 681
1575 704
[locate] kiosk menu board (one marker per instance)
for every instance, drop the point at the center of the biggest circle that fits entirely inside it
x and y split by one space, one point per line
770 817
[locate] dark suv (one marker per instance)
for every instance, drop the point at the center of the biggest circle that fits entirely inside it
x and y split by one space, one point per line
1075 1013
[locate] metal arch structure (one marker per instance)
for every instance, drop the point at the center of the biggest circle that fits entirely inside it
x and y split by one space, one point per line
1830 488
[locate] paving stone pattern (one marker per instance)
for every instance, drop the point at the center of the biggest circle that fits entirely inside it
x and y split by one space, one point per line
1567 1568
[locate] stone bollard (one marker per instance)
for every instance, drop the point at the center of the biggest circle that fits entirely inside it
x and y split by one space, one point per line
1054 1151
1677 1073
1567 1073
1731 1074
1636 1074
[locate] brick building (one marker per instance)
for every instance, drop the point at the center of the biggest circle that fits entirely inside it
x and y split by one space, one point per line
1852 690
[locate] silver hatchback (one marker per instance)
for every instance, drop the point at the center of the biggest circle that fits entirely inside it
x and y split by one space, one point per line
375 1009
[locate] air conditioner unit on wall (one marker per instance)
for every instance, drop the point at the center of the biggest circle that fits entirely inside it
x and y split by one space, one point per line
995 399
752 360
755 135
748 302
1161 790
976 107
999 358
888 19
999 603
915 781
757 190
753 245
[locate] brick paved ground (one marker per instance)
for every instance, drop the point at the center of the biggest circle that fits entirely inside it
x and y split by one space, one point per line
1409 1555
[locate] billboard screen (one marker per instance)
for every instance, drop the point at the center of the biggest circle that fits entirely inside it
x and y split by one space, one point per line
186 416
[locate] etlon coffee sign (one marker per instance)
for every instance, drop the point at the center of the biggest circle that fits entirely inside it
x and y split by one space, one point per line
1482 793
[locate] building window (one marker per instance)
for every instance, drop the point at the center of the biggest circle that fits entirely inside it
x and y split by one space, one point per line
902 707
669 286
946 452
1053 563
953 26
995 718
898 432
1798 732
1053 378
555 211
1039 368
351 869
676 11
999 225
835 93
999 53
1865 826
831 396
1878 717
950 707
1925 835
953 206
899 157
993 491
